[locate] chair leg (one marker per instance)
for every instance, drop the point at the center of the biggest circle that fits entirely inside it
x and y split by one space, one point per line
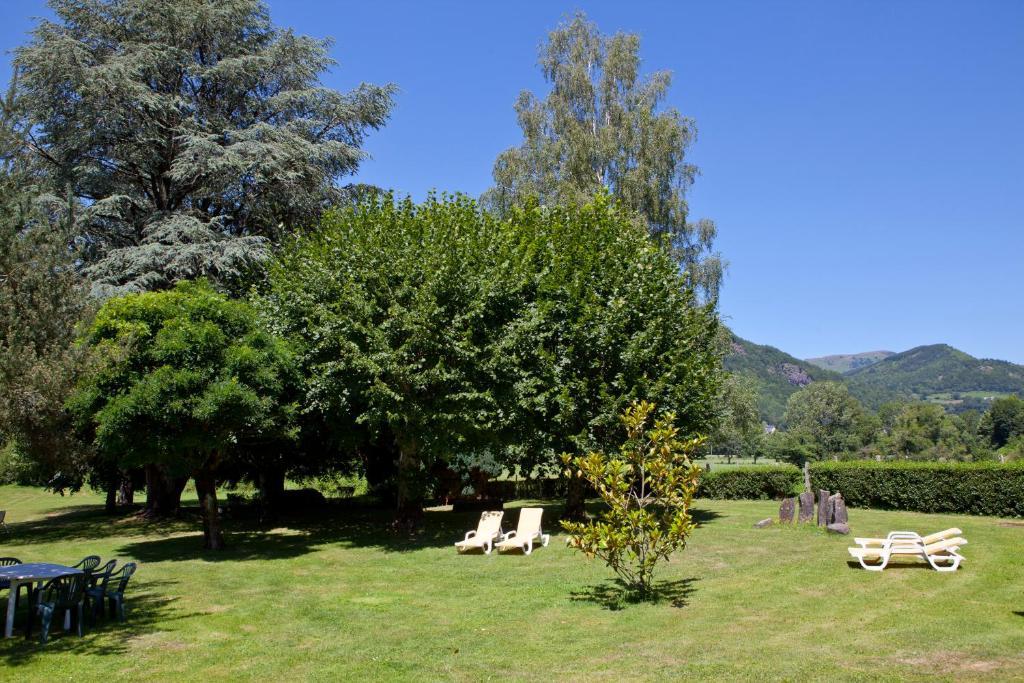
874 567
45 618
80 606
937 563
120 610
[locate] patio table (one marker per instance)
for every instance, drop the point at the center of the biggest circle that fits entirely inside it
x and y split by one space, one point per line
31 572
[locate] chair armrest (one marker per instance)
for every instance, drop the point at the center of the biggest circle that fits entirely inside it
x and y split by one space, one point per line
469 535
508 535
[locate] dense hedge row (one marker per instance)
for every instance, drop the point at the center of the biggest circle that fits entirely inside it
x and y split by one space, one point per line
970 488
540 488
737 483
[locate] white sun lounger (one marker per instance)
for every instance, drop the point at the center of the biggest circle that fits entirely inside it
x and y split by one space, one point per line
909 536
524 535
942 555
487 530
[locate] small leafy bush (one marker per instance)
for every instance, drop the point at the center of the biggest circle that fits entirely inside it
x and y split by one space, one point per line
984 488
648 487
750 483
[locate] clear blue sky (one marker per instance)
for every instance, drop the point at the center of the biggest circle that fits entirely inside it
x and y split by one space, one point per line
864 161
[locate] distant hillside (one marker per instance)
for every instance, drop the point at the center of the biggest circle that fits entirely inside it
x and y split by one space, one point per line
846 362
937 372
777 373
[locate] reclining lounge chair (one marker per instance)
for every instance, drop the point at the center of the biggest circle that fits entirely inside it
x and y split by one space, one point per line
943 555
487 531
528 530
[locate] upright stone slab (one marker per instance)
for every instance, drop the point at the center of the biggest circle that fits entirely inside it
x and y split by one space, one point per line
806 506
786 510
839 514
822 507
832 508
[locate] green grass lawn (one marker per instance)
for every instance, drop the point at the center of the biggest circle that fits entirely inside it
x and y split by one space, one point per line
338 598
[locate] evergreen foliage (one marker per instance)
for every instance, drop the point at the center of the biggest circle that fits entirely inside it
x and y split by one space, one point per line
192 130
42 300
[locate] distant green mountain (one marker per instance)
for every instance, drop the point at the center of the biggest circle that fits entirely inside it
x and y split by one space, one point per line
777 374
847 362
937 372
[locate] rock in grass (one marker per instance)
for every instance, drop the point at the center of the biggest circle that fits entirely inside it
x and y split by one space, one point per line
839 513
838 528
767 521
786 511
806 506
822 507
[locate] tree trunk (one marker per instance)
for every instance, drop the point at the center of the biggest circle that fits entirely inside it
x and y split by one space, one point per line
126 491
271 485
163 492
380 464
110 505
206 488
409 512
575 500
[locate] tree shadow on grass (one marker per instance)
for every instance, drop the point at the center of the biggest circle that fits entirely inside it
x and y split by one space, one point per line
615 594
149 610
294 535
91 522
1019 613
300 534
701 516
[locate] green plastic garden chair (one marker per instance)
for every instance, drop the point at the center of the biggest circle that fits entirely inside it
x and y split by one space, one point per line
115 589
96 590
87 563
65 593
5 583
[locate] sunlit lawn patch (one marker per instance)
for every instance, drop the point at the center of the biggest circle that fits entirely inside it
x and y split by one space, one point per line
338 597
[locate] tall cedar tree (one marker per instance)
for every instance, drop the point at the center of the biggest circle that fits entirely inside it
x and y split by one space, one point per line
42 299
193 130
603 126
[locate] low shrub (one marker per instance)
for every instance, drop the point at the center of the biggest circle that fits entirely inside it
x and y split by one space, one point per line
984 488
738 483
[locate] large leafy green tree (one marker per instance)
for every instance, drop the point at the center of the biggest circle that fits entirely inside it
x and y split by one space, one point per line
397 310
192 130
825 416
1004 421
189 380
603 126
438 330
739 428
611 321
